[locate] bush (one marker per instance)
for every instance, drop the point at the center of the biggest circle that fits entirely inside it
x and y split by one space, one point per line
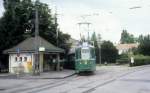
140 60
122 61
123 56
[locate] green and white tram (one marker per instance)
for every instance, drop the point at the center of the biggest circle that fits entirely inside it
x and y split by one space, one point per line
85 58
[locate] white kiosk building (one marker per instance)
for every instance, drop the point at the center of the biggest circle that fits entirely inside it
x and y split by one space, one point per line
23 55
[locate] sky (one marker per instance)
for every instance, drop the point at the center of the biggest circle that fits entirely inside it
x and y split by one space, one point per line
107 17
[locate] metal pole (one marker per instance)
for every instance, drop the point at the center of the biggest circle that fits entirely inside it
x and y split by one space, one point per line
36 61
100 55
88 33
58 63
88 24
99 40
81 37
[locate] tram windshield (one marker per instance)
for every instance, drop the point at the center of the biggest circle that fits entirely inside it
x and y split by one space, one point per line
85 53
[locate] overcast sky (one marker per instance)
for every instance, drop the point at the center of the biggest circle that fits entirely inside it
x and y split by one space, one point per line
107 17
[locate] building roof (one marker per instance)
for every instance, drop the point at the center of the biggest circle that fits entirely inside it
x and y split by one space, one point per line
126 46
28 45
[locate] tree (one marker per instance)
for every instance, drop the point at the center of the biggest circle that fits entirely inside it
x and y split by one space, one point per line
18 23
140 38
109 52
144 46
94 39
62 42
126 37
11 24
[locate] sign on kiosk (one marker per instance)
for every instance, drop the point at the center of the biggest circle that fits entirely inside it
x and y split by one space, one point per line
41 49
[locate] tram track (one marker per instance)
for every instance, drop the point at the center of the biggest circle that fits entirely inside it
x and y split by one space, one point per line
49 85
62 83
40 87
114 79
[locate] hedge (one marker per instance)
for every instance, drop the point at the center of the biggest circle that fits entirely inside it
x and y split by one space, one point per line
138 60
141 60
122 61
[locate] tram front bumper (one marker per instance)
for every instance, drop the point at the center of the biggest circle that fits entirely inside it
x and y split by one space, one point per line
85 65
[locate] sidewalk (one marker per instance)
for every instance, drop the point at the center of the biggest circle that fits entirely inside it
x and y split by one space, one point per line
44 75
8 76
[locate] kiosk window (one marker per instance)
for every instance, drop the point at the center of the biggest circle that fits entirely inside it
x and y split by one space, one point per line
16 59
20 59
25 58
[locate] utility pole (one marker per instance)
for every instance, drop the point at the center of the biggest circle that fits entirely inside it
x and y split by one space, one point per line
99 44
36 61
58 56
56 26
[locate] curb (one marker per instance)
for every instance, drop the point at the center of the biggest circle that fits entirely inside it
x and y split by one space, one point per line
14 76
47 77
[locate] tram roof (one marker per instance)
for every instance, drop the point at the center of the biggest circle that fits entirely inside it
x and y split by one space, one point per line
85 45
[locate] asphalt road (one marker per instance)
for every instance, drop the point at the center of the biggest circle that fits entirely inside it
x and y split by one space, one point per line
107 79
135 82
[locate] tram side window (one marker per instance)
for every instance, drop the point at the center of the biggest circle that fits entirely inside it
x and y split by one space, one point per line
92 53
78 53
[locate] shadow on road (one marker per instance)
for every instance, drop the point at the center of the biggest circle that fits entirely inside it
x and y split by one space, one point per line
86 73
